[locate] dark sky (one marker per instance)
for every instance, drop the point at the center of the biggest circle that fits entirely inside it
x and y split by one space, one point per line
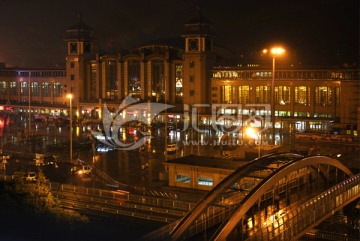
315 32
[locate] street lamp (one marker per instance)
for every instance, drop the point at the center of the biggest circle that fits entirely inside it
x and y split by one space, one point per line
250 132
70 96
29 90
275 52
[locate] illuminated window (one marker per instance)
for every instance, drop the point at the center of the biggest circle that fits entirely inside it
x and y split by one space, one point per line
284 113
92 82
178 83
227 94
46 89
134 85
182 178
57 89
244 94
24 88
205 181
35 89
302 95
282 95
158 80
2 87
192 64
323 96
263 94
13 89
109 67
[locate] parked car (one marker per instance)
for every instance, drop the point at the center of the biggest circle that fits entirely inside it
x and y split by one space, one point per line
28 176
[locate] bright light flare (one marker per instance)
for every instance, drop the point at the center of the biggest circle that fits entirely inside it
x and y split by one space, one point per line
250 132
69 96
277 51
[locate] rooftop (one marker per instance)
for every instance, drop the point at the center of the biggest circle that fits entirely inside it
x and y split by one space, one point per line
211 162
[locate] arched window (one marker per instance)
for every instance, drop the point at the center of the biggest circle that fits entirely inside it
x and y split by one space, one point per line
158 80
262 94
244 94
323 95
227 94
282 95
134 84
302 95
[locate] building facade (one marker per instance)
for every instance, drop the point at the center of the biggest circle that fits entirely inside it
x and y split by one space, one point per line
306 100
185 74
44 89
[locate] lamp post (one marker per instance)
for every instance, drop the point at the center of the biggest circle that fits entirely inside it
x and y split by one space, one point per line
275 52
166 117
70 96
29 87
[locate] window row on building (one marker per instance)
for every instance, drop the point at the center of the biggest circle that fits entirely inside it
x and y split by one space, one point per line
33 73
154 79
287 74
44 89
284 95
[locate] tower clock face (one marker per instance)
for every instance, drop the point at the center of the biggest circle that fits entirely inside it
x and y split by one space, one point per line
193 44
73 48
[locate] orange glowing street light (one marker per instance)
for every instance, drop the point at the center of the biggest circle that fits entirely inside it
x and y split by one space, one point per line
275 52
253 134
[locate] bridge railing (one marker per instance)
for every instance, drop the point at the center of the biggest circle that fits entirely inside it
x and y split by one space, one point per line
124 196
294 222
213 216
324 235
217 214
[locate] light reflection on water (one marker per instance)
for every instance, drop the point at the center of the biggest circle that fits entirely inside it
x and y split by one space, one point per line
126 167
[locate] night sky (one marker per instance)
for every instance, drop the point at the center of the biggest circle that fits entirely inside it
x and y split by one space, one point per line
315 32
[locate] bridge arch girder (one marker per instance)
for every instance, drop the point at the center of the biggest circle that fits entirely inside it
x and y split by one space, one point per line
289 162
256 164
229 224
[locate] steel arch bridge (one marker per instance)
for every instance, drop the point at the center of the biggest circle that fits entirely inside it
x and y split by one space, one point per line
278 181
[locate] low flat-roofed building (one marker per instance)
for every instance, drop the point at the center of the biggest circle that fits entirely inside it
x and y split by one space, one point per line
200 172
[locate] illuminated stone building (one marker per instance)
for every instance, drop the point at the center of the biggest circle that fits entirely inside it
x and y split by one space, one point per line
186 71
48 90
306 100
